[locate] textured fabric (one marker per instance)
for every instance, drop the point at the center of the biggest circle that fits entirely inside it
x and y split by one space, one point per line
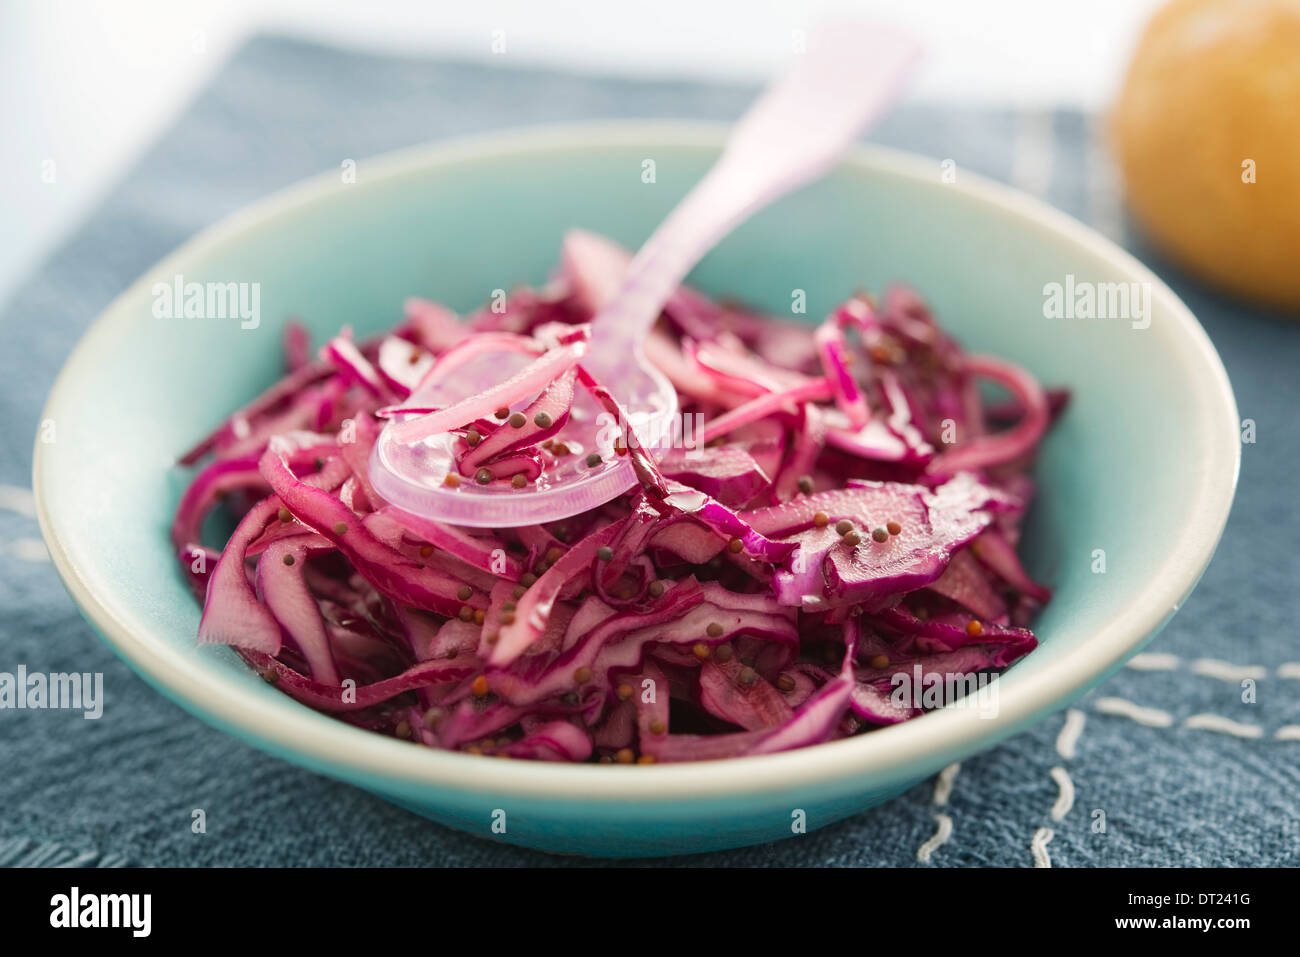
122 790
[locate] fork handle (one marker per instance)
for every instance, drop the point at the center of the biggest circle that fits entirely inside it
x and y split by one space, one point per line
791 135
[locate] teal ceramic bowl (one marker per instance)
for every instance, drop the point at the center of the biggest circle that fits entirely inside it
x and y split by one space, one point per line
1141 469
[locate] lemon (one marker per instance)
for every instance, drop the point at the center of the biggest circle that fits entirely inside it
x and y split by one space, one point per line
1208 140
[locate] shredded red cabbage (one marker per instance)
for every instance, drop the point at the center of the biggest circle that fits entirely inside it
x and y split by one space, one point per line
848 513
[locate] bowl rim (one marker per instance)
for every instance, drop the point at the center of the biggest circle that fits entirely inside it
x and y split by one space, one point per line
891 754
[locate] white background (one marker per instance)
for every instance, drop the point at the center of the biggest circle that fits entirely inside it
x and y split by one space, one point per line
88 83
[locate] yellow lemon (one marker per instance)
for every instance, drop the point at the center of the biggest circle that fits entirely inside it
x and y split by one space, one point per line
1207 132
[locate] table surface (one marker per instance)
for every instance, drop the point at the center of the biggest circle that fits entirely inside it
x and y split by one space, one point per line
1201 774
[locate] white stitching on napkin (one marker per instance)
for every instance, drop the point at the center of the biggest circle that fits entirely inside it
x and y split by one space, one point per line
943 783
1216 668
1151 717
1211 667
940 838
1153 662
1065 744
942 791
1214 722
1038 846
16 499
1070 731
21 500
27 550
26 852
1065 800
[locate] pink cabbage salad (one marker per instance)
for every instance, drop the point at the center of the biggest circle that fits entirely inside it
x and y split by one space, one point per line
850 513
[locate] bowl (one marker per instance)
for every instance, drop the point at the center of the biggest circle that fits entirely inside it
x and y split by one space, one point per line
1135 481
